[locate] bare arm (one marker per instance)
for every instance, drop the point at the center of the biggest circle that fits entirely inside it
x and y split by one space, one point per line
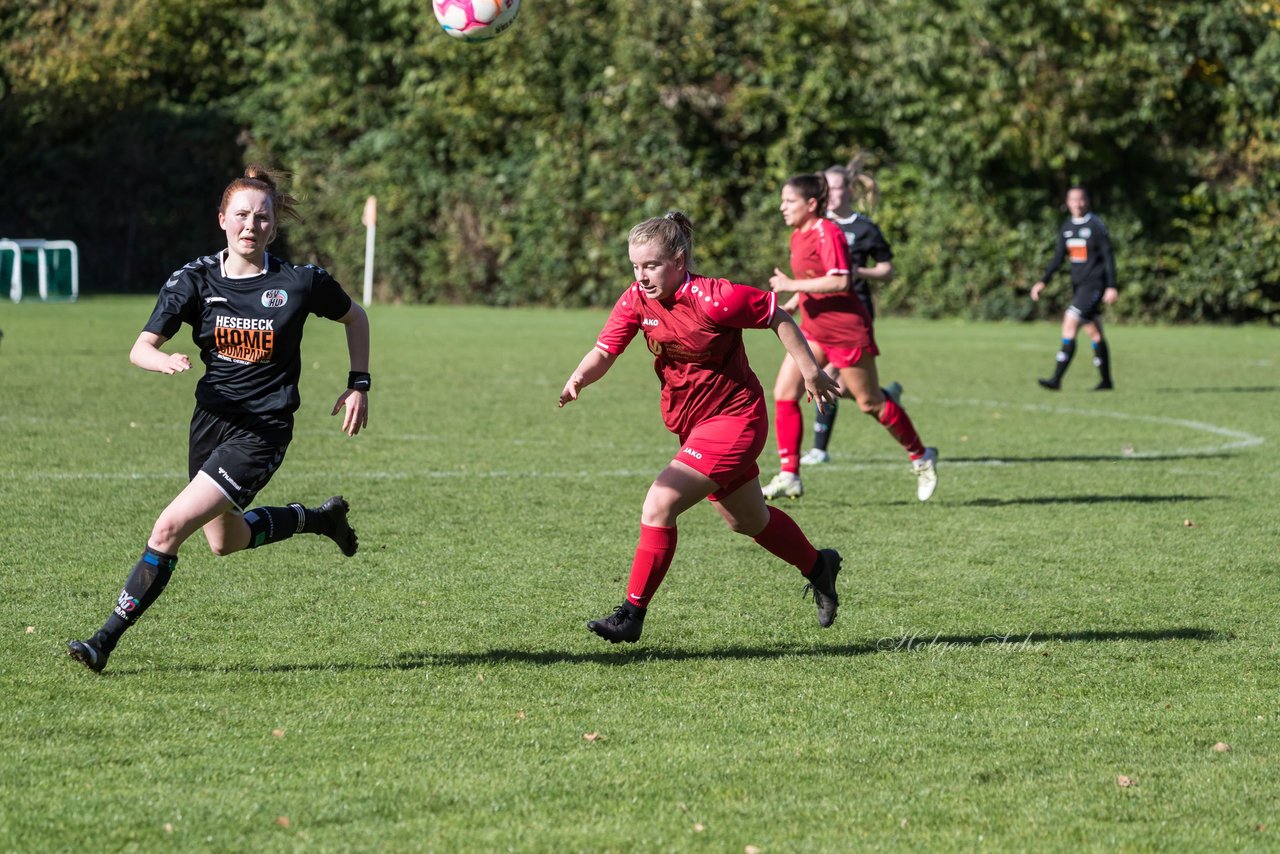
881 272
356 402
593 366
146 354
780 282
817 384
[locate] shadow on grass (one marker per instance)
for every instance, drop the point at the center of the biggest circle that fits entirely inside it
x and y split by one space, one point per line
1088 499
903 642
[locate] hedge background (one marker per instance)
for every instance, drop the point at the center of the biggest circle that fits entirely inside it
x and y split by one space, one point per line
509 172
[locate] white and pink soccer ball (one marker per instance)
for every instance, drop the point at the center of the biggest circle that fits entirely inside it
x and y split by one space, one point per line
475 20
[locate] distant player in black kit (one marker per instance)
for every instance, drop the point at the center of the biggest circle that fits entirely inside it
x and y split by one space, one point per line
1083 238
246 309
870 259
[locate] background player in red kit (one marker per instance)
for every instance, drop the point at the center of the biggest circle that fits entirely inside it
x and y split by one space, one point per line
247 310
864 242
713 402
839 331
1083 238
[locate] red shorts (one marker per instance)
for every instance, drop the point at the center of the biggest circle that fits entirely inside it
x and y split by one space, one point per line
844 357
725 449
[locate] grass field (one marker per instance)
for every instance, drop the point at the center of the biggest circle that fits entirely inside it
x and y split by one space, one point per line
1091 595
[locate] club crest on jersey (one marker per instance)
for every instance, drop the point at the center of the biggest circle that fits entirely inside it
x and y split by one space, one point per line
274 298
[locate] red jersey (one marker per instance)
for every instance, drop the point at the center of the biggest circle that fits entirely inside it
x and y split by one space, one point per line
696 340
835 319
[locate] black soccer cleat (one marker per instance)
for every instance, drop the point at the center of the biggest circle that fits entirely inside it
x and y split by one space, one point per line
1052 385
822 583
622 626
87 654
333 524
1105 385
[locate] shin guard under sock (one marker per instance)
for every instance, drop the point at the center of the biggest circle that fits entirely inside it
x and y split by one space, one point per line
824 418
895 419
272 524
1102 361
1064 359
653 557
783 537
145 584
788 425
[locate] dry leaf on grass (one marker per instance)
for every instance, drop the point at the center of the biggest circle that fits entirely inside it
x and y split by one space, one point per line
751 849
698 827
277 733
168 828
31 630
1222 747
1187 523
592 736
520 715
282 820
1124 782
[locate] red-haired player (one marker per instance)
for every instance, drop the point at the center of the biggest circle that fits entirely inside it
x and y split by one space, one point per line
710 399
839 331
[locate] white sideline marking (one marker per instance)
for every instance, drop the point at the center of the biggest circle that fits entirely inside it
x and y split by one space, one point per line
1238 439
1241 439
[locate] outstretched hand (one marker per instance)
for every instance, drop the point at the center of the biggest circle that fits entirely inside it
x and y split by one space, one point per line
176 364
356 418
780 282
822 389
571 390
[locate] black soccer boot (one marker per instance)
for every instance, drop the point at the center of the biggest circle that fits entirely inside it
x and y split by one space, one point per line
622 626
87 654
822 583
330 519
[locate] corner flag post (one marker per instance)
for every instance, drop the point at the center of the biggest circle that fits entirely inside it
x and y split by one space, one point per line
370 220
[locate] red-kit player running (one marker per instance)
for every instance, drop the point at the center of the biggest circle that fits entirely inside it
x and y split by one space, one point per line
839 331
710 399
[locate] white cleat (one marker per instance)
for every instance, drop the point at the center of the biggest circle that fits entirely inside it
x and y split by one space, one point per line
785 484
815 457
926 471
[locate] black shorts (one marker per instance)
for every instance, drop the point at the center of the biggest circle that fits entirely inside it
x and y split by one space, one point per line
863 290
239 452
1086 303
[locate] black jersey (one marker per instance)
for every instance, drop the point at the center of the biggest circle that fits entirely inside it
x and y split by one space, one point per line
249 330
1086 243
865 243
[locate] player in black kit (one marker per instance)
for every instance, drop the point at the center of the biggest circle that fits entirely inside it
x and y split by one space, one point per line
870 259
246 309
1083 238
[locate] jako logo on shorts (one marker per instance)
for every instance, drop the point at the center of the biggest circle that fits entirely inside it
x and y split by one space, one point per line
274 298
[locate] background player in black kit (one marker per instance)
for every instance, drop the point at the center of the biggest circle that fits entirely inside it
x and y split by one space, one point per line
1083 238
865 243
247 310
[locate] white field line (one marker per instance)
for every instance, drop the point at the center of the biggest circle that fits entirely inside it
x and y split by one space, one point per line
1236 439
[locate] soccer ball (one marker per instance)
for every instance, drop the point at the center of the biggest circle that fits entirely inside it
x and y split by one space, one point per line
475 20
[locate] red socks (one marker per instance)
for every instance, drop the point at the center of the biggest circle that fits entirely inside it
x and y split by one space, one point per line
788 425
783 537
653 558
895 420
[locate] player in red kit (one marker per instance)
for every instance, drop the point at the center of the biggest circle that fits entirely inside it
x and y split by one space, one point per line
713 402
839 331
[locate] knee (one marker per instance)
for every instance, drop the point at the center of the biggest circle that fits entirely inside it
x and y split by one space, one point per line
871 405
747 527
657 513
166 534
220 547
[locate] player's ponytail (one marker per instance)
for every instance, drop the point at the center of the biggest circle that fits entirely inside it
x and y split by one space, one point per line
269 181
673 232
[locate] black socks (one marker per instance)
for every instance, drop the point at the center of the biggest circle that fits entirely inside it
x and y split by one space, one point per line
145 584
